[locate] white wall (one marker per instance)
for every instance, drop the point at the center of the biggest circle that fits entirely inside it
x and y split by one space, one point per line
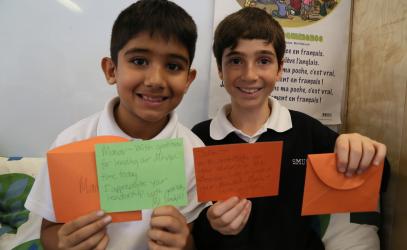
50 74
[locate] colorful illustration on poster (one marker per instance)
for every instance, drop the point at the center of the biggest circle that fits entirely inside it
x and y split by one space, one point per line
294 13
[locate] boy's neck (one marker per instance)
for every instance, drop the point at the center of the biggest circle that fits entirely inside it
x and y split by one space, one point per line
249 121
137 128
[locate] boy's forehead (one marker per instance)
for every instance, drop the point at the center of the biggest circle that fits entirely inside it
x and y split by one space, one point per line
251 45
157 37
155 42
263 42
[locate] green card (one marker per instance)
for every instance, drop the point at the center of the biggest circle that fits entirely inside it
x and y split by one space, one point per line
141 174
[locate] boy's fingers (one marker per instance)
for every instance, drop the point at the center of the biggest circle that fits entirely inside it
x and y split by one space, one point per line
239 222
153 245
168 211
168 223
82 221
355 155
103 243
247 214
88 231
368 152
91 242
342 153
227 218
221 207
381 151
168 229
164 238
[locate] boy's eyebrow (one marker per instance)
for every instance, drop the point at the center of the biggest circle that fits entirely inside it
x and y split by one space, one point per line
179 57
267 52
142 50
261 52
232 53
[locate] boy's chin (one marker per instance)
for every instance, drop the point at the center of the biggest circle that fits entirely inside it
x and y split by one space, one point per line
155 118
249 103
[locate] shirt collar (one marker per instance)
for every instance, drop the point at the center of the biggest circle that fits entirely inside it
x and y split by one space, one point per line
279 121
107 124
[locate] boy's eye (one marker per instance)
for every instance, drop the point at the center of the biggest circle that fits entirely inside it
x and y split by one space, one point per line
264 60
235 60
140 61
173 67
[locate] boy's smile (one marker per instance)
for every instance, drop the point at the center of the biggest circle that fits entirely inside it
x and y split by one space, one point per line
250 71
152 75
151 100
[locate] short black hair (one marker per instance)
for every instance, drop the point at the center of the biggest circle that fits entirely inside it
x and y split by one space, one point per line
158 17
248 23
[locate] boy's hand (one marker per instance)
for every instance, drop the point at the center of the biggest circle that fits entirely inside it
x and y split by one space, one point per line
229 217
168 229
355 153
86 232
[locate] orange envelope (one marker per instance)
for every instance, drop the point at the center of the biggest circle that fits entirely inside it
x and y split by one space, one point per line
73 179
243 170
328 191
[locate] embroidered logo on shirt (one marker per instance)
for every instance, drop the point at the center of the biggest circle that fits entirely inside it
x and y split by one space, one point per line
299 161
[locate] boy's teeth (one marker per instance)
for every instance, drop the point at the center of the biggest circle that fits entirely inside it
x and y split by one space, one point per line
153 99
249 91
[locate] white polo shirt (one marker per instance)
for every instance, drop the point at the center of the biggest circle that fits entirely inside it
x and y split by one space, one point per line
124 235
279 121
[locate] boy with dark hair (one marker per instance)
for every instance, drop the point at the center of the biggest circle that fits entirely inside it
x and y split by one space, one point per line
152 48
249 47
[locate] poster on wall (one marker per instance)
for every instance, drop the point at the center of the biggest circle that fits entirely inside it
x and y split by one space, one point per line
316 56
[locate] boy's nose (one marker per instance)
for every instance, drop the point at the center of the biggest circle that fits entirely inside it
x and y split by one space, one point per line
155 77
249 72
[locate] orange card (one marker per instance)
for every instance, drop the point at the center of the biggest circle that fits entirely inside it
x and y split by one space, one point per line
243 170
73 179
328 191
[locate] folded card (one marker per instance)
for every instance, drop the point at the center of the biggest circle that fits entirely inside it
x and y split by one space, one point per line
328 191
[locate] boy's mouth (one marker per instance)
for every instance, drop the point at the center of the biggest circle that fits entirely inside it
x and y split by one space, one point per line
155 99
249 90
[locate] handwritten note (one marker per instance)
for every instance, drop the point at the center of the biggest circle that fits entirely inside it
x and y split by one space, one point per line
73 179
243 170
141 175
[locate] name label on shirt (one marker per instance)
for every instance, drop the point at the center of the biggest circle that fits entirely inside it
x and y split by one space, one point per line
299 161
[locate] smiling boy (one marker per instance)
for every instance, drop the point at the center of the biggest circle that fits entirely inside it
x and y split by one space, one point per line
152 48
249 48
152 76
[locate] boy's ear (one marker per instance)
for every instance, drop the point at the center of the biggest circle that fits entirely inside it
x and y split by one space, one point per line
191 78
109 69
280 71
220 74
